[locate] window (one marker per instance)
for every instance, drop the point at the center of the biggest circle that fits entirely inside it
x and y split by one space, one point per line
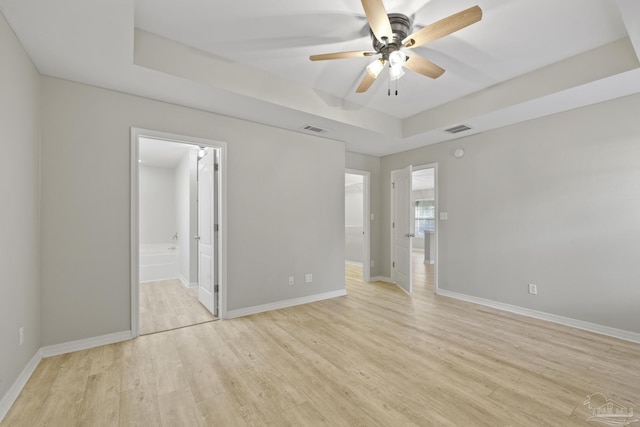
425 216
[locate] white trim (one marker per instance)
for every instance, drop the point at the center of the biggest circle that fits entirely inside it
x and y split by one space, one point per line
380 279
85 344
136 133
402 289
182 280
284 304
186 283
16 388
160 279
133 227
54 350
567 321
366 179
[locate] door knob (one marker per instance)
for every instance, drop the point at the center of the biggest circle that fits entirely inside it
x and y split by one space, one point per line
196 237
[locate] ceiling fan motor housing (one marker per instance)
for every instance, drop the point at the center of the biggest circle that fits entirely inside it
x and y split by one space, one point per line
401 27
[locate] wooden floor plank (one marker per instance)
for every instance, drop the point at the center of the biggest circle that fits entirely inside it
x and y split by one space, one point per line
376 357
167 304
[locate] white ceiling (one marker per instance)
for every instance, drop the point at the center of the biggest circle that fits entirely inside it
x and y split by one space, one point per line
163 154
351 179
251 61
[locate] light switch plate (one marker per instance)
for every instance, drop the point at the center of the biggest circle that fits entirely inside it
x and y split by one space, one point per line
444 216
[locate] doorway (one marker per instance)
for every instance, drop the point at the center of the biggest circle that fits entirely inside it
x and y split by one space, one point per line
177 238
414 228
357 224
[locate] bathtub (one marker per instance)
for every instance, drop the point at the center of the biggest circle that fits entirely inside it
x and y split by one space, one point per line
158 261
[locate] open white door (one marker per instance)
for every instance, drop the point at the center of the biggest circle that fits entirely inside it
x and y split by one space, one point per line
205 237
402 227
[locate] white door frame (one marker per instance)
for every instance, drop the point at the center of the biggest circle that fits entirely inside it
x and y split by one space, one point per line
366 257
136 134
434 166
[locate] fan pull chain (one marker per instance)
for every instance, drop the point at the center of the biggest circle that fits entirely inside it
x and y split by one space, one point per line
389 86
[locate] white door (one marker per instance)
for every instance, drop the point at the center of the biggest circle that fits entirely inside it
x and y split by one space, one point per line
205 237
402 227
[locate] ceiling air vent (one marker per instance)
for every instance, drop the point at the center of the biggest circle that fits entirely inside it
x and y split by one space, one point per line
314 129
457 129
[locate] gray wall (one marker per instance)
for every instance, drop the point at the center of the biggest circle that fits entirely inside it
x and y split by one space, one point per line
371 164
19 213
285 207
553 201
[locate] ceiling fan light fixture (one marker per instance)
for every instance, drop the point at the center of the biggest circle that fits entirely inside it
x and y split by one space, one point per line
397 58
391 32
376 67
395 72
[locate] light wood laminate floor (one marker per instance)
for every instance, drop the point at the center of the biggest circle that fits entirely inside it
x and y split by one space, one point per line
421 273
376 357
168 304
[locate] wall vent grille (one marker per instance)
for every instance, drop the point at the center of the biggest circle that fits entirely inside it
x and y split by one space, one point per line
314 129
457 129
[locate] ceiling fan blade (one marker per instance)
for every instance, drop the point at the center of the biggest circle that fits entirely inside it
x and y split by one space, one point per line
444 27
366 83
423 66
341 55
378 19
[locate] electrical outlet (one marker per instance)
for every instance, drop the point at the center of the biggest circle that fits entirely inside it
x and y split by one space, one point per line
308 278
21 335
291 282
533 289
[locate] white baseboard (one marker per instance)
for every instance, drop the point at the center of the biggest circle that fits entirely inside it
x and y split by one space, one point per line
53 350
380 279
567 321
12 394
186 283
159 280
284 304
68 347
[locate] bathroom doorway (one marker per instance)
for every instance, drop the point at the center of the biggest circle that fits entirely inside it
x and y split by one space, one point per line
176 225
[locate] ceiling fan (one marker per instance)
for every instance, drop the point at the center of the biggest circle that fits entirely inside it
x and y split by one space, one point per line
390 35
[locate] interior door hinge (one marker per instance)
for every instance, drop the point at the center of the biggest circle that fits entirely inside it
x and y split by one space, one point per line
215 227
393 264
216 167
215 288
393 225
393 185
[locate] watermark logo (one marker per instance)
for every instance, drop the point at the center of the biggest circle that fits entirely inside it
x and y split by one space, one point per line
608 412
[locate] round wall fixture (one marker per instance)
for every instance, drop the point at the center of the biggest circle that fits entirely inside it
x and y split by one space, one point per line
458 153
